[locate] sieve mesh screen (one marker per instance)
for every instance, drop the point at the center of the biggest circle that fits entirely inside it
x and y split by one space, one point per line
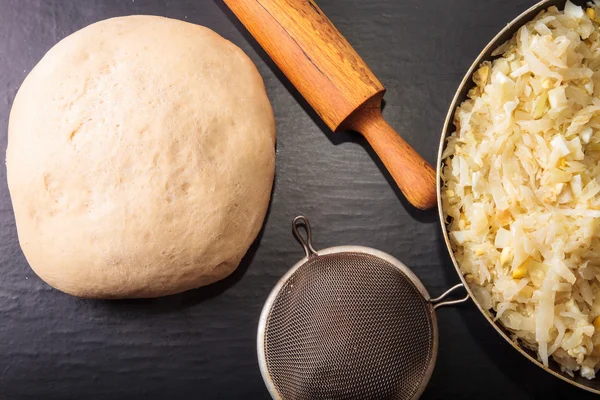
348 326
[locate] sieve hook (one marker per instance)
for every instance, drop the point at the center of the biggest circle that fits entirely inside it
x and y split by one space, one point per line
437 303
301 220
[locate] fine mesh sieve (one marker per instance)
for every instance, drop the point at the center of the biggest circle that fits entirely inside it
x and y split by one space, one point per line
348 322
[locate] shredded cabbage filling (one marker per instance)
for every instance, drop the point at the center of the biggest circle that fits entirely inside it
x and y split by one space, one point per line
521 187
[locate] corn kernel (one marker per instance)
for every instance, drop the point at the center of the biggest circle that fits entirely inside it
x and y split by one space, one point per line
597 323
450 193
479 251
521 270
591 13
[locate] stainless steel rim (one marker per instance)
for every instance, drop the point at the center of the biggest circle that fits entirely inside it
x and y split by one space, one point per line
458 97
260 340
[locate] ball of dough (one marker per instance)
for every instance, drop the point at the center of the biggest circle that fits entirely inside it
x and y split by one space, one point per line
141 156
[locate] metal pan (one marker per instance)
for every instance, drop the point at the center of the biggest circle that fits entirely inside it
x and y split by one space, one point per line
461 95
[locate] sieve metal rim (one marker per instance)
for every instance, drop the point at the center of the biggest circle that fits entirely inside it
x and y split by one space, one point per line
311 253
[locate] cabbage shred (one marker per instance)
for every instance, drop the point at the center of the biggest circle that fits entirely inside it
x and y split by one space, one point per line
521 187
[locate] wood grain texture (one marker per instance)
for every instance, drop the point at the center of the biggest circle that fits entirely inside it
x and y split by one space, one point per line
201 344
413 175
312 54
336 82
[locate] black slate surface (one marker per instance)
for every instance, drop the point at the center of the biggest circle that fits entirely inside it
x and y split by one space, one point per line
201 344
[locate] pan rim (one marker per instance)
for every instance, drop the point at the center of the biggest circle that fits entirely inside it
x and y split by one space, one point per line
520 20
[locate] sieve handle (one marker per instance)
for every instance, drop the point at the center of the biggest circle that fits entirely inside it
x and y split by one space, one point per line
302 221
438 303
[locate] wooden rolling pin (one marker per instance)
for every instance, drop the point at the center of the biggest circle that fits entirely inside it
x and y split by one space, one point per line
336 82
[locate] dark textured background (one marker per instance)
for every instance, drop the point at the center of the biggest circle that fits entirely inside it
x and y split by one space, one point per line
201 344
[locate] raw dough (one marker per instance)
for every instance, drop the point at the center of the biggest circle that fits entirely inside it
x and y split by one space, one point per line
140 159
